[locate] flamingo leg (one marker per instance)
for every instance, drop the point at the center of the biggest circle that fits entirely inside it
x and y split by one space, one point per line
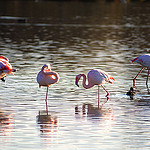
46 101
147 81
106 91
98 96
136 77
105 102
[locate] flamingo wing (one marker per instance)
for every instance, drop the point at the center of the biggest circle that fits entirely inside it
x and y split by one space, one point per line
96 77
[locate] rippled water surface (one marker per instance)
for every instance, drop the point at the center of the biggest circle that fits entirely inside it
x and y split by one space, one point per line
74 37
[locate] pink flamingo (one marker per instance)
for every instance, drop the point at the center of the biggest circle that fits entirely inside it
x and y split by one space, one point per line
5 67
144 60
46 77
95 77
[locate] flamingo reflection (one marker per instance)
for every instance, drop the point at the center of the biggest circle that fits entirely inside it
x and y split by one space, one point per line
48 123
91 112
6 121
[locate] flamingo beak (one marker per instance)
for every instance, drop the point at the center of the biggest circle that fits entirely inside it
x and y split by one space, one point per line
77 83
77 80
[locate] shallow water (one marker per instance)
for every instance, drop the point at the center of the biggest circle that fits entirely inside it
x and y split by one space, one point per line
74 37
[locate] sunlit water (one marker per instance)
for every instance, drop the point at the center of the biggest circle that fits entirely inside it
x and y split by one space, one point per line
74 37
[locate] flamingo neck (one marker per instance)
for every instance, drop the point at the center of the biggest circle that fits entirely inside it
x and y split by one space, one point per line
86 86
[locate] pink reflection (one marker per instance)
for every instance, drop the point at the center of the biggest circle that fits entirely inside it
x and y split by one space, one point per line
48 123
102 116
6 121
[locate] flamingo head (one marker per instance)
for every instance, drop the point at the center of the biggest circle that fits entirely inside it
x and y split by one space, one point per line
111 78
46 67
77 79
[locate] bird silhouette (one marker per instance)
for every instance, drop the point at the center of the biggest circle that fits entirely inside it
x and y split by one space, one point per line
46 77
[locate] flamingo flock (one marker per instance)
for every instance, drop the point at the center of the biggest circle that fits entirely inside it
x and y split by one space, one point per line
46 76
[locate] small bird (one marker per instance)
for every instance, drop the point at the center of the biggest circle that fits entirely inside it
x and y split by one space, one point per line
46 77
95 77
5 67
144 60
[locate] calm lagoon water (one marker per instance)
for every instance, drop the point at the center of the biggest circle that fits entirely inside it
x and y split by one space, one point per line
74 37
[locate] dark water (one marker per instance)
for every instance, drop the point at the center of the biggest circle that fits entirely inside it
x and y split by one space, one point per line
74 37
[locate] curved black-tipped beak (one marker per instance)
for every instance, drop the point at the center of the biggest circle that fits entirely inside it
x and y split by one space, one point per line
77 85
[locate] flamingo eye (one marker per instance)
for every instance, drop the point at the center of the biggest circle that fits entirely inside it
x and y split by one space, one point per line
53 77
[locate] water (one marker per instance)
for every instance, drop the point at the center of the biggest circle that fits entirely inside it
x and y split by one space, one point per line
74 37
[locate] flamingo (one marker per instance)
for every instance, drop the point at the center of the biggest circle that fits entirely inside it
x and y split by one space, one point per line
144 60
46 77
5 67
95 77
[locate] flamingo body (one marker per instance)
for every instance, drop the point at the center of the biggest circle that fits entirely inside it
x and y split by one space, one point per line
98 77
46 77
144 60
95 77
5 67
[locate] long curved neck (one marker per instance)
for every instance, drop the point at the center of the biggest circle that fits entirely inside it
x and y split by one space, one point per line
86 86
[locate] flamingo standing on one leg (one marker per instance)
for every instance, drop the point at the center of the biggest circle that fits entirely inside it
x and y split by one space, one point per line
5 67
144 60
46 77
95 77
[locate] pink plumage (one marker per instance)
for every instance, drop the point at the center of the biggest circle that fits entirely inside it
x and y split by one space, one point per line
95 77
46 77
144 60
5 67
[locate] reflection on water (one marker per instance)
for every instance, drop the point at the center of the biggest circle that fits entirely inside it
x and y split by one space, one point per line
48 126
141 100
6 121
74 37
89 111
48 123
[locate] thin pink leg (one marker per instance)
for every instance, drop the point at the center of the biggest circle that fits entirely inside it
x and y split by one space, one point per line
46 100
106 91
105 102
136 77
98 97
147 81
